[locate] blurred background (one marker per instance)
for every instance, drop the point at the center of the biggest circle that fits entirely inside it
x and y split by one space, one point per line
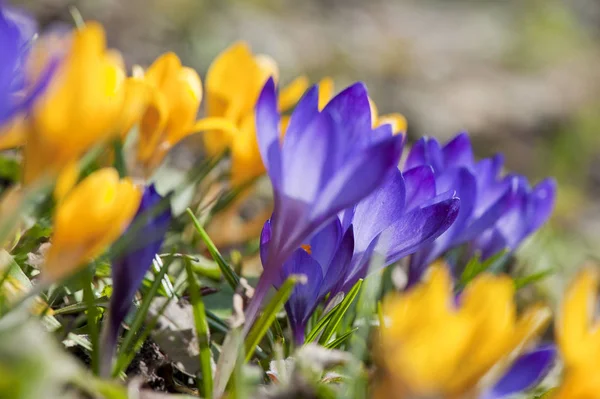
520 75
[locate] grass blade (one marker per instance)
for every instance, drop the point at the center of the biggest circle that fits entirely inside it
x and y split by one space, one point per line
92 318
201 332
341 339
336 319
321 324
265 320
232 278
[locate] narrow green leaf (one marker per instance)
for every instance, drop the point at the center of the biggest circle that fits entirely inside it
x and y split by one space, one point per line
340 312
532 278
231 277
139 318
323 321
341 339
119 162
202 332
265 320
475 266
92 318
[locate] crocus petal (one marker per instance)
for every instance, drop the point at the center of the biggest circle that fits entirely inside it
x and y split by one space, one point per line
304 297
416 155
339 268
145 236
419 227
324 242
351 112
525 373
420 186
305 113
458 152
267 130
378 211
358 177
265 237
541 204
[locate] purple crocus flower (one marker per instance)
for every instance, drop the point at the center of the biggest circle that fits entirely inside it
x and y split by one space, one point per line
145 236
17 30
525 373
488 199
406 214
328 161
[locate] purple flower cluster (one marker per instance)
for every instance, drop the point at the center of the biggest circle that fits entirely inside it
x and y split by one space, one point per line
340 199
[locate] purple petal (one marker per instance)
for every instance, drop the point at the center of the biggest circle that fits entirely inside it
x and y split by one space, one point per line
490 242
434 155
304 298
420 186
541 203
378 211
525 373
265 238
267 131
339 267
418 228
416 155
324 243
351 112
458 152
144 238
305 166
359 177
304 114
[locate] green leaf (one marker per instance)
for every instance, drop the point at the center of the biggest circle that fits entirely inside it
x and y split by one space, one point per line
119 163
341 339
323 321
532 278
339 313
231 277
92 318
260 328
201 332
476 266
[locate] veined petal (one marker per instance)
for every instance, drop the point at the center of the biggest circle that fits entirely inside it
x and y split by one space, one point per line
267 129
458 152
420 186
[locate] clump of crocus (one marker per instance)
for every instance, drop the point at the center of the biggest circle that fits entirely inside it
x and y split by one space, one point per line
433 344
80 108
89 218
171 96
142 241
233 83
401 214
578 338
328 161
497 211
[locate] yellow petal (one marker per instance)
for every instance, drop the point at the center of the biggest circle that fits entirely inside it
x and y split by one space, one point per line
88 220
290 94
326 88
397 121
66 181
14 134
574 321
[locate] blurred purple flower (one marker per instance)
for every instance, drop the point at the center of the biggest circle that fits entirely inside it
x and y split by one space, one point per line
327 161
497 211
144 238
17 30
404 216
525 373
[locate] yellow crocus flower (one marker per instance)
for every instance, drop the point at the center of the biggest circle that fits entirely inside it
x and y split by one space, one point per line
233 83
88 219
397 121
164 100
80 108
578 338
432 346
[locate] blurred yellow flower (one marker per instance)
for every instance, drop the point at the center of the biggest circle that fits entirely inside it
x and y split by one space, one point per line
80 108
578 338
88 219
233 83
432 346
168 96
397 121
